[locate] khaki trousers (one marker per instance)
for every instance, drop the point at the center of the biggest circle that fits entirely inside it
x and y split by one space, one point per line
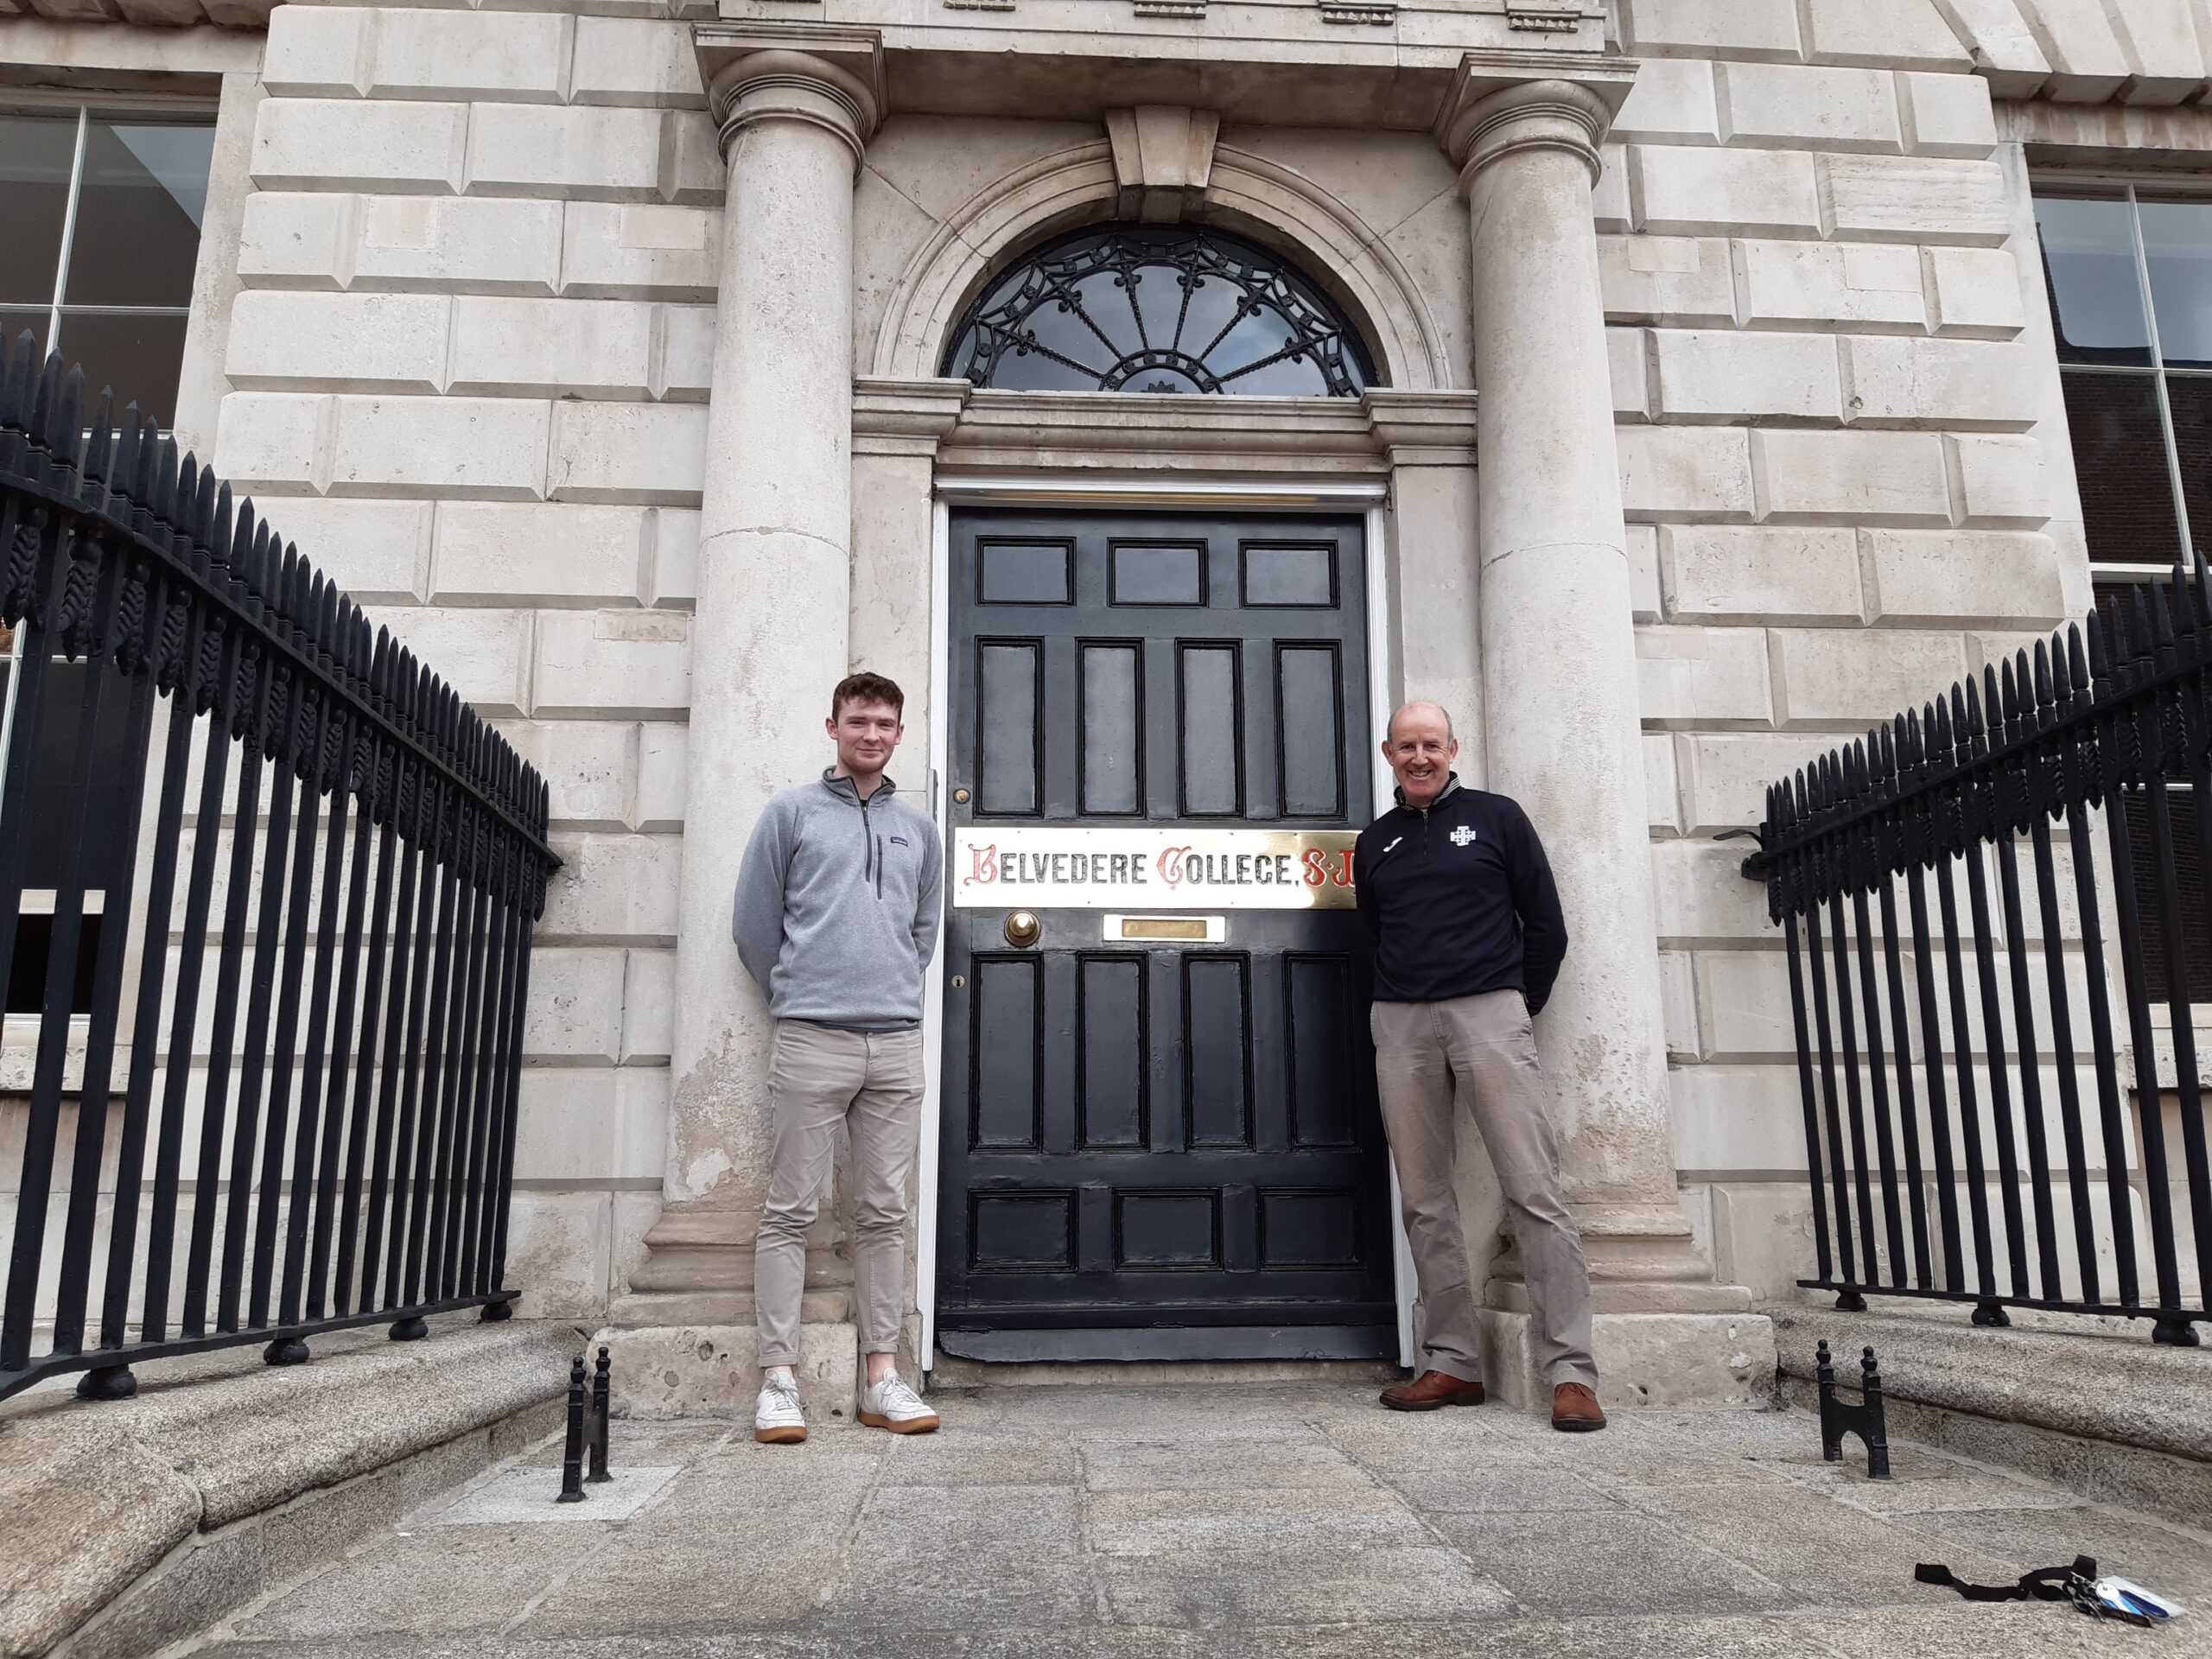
1428 1057
872 1082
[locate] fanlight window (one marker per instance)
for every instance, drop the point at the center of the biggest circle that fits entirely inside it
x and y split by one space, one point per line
1146 308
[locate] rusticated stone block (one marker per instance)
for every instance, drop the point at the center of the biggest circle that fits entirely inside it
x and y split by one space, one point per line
1705 374
1710 28
1859 477
1681 189
608 662
339 342
1830 285
640 250
1682 280
1682 471
315 144
1793 106
1726 575
1915 197
1894 380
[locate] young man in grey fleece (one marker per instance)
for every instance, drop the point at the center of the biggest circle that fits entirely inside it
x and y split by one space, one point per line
836 918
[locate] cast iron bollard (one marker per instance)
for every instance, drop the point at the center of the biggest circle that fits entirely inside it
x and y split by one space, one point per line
599 1385
1865 1420
572 1459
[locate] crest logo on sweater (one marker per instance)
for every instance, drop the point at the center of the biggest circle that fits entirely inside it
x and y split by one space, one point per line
1462 835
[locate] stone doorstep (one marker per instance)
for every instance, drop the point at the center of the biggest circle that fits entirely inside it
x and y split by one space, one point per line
128 1526
707 1368
2101 1411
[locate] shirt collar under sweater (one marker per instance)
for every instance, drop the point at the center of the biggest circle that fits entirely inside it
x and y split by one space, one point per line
1451 784
845 789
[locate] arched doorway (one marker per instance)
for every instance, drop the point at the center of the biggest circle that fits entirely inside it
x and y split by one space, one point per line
1157 1137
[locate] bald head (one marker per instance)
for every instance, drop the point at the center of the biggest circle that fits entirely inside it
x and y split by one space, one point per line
1421 749
1420 710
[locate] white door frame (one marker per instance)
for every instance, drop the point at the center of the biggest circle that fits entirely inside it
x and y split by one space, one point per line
1368 497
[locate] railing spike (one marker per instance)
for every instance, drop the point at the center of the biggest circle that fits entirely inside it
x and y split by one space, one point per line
67 443
99 444
16 389
123 466
203 505
2162 624
2132 636
2005 700
223 523
168 467
42 400
234 553
139 483
2043 693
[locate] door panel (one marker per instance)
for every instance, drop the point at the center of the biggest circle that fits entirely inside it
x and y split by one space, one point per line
1158 1148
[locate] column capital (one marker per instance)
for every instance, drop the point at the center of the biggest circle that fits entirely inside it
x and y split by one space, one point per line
824 77
1484 121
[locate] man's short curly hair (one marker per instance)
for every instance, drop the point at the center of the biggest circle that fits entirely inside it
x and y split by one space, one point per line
867 688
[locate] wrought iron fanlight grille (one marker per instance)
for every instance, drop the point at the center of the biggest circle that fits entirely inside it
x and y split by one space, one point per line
1164 309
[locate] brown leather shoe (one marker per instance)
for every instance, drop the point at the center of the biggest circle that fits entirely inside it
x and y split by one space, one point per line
1574 1409
1432 1390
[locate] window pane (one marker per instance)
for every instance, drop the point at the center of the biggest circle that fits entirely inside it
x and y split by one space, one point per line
2088 250
138 213
2177 245
2119 456
36 155
140 358
2189 397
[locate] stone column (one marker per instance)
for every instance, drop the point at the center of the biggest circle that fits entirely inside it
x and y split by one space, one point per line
1562 735
770 637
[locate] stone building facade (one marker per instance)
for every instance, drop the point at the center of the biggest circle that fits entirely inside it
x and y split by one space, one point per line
1711 410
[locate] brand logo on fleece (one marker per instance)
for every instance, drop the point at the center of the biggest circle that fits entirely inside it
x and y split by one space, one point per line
1462 835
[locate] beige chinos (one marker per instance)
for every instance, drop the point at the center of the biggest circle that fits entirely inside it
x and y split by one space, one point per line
820 1077
1429 1058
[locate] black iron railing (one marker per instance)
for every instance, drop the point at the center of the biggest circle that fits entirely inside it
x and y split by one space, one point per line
278 1083
1982 1124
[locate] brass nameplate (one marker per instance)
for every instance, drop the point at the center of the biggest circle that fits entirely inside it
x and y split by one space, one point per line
1165 927
1163 868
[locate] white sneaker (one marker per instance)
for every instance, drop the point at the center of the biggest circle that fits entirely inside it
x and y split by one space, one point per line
891 1404
776 1419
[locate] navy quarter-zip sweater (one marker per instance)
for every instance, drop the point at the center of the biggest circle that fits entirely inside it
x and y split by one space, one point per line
1459 900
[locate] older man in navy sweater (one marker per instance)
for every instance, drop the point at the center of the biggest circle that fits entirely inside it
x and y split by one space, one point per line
1468 938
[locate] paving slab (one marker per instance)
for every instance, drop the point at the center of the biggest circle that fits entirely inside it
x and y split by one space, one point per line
1572 1563
1244 1466
1289 1522
1200 1521
1308 1585
532 1496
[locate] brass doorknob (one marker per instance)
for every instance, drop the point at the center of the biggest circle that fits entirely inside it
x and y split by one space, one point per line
1022 929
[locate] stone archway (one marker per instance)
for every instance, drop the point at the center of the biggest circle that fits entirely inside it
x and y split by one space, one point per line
1244 193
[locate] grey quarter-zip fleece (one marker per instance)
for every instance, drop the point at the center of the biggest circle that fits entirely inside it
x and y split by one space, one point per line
837 901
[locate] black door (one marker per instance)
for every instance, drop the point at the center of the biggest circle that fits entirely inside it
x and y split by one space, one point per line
1158 1147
